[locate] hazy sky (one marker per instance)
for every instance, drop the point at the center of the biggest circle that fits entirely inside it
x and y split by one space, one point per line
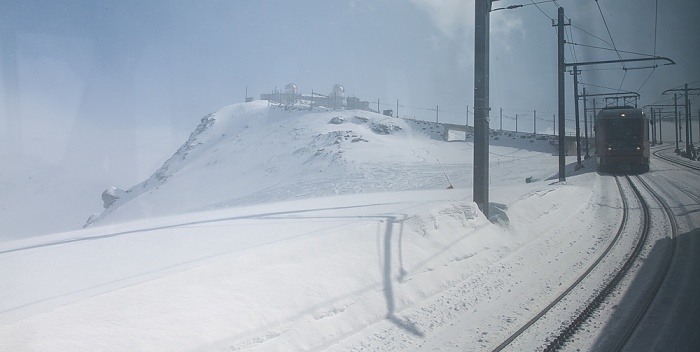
153 68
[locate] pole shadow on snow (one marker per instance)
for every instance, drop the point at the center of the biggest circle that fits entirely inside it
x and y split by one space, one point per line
388 284
589 165
190 223
498 214
130 279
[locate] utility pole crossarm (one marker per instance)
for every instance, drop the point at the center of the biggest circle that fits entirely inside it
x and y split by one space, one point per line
670 62
645 106
612 94
681 90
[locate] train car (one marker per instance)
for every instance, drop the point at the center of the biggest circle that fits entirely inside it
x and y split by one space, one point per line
622 141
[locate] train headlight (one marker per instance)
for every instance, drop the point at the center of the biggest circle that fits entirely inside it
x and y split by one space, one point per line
609 149
638 148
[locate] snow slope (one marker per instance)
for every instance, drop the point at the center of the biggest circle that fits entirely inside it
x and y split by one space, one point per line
49 191
274 229
251 153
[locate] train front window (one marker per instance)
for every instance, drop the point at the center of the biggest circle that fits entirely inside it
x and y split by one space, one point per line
623 134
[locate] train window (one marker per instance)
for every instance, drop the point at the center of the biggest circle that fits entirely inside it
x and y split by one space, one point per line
623 133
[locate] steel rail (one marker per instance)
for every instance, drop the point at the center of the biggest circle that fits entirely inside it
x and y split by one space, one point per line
661 276
573 326
622 226
683 162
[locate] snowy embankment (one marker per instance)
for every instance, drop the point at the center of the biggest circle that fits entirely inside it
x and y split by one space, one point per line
290 230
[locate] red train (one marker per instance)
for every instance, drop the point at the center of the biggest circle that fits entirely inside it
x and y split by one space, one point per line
622 141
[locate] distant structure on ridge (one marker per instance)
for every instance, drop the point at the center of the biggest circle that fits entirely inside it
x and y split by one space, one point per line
336 99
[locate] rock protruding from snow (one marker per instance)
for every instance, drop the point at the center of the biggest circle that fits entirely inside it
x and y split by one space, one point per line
337 120
165 171
359 119
384 128
111 195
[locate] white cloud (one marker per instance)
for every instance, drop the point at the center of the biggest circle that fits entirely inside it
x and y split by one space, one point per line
451 17
506 28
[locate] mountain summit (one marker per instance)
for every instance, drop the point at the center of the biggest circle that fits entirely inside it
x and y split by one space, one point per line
252 153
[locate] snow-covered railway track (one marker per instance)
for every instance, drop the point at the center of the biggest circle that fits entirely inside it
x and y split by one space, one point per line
688 164
582 313
658 280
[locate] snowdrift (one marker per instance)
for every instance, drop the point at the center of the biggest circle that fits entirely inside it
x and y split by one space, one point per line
253 153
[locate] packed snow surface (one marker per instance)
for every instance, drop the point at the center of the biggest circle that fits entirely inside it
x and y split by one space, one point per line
279 228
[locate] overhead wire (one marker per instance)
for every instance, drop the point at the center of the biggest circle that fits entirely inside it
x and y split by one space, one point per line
607 28
592 35
569 40
597 86
513 7
539 8
599 69
622 51
656 22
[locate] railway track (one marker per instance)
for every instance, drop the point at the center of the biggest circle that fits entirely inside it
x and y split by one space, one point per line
659 279
558 339
676 160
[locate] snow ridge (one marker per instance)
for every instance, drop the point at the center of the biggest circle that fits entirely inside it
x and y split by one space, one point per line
251 152
170 167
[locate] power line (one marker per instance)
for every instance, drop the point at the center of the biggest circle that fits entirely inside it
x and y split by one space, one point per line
645 81
572 49
592 35
512 7
656 21
602 87
600 69
623 79
608 49
539 8
609 34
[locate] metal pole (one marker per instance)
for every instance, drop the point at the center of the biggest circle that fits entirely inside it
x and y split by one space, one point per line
653 126
561 70
687 122
661 135
501 119
481 105
437 113
516 123
397 108
690 124
649 128
585 123
578 124
595 113
675 119
534 123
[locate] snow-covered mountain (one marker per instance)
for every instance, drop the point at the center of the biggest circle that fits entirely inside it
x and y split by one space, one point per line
277 228
253 153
